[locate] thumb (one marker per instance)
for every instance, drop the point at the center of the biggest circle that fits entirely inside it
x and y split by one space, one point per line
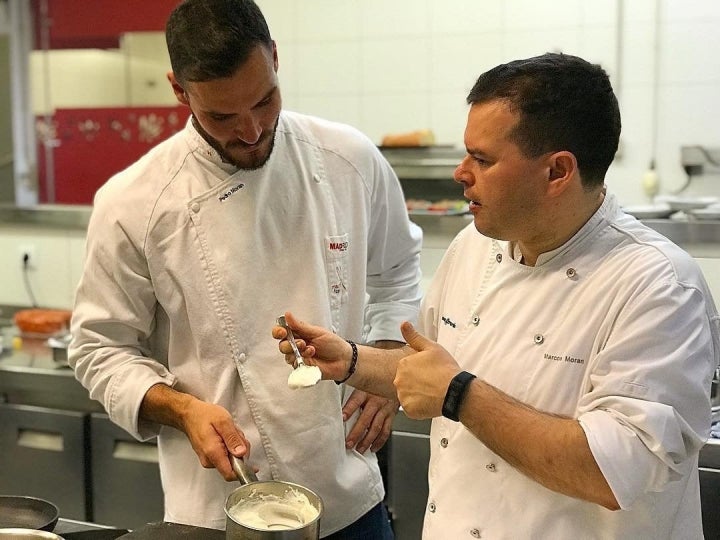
300 328
414 338
235 442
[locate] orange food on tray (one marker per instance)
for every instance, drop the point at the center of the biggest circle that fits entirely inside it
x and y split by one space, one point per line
42 321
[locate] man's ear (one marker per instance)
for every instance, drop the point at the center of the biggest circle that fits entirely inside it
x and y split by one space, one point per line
178 90
275 56
562 171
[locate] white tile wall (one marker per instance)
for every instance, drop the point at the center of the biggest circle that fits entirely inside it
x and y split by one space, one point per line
388 66
58 256
418 59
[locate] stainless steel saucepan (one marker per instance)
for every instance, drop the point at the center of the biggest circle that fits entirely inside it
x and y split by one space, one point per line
262 510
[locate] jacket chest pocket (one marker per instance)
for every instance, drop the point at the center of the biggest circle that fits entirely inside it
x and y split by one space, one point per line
337 250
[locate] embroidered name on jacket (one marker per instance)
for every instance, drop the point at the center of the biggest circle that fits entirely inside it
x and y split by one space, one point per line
227 194
564 358
447 321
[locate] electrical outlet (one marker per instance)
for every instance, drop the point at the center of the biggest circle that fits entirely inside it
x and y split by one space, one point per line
29 251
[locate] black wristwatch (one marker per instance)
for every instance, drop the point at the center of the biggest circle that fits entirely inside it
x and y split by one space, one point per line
455 394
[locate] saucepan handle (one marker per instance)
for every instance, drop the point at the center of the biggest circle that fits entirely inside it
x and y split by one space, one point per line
244 473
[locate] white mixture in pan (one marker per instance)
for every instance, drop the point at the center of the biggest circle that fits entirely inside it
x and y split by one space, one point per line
293 510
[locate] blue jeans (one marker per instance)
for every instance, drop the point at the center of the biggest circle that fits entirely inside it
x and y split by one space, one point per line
375 525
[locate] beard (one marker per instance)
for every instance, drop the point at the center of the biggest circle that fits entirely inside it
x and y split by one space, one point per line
248 161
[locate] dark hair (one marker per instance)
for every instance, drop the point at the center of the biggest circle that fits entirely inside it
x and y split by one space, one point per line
211 39
564 103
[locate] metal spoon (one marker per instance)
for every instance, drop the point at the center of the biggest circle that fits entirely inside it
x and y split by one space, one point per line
298 357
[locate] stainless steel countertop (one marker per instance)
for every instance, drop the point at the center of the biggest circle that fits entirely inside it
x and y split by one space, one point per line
53 215
29 375
686 232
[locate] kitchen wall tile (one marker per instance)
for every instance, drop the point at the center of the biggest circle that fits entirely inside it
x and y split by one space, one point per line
598 44
381 18
448 116
287 67
599 12
457 61
394 113
641 10
638 53
460 17
328 68
328 19
527 14
281 17
528 43
345 109
690 10
396 65
689 52
625 174
49 275
106 87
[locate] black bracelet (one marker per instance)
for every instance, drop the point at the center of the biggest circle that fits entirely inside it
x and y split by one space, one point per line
455 393
353 362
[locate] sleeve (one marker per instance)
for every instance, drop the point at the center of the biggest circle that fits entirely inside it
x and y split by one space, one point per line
113 319
647 413
393 265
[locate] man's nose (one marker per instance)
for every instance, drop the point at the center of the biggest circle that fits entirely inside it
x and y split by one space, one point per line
461 174
248 130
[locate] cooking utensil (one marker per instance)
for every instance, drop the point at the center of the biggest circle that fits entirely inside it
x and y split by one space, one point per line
291 339
244 473
20 512
303 375
253 490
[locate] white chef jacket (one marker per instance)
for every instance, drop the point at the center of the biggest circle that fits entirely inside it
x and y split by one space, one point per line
189 262
617 329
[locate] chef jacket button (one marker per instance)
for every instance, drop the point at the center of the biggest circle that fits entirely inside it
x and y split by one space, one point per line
443 442
316 178
195 207
475 533
432 507
539 339
242 357
570 272
491 467
476 320
498 257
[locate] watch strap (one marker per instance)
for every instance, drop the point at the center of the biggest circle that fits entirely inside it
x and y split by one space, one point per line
455 394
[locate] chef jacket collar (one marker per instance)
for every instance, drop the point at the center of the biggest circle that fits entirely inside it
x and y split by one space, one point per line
608 209
206 150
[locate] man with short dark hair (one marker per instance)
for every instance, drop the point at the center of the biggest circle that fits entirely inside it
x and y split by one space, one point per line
567 349
193 252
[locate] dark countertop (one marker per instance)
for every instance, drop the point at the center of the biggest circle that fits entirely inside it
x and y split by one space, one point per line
81 530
